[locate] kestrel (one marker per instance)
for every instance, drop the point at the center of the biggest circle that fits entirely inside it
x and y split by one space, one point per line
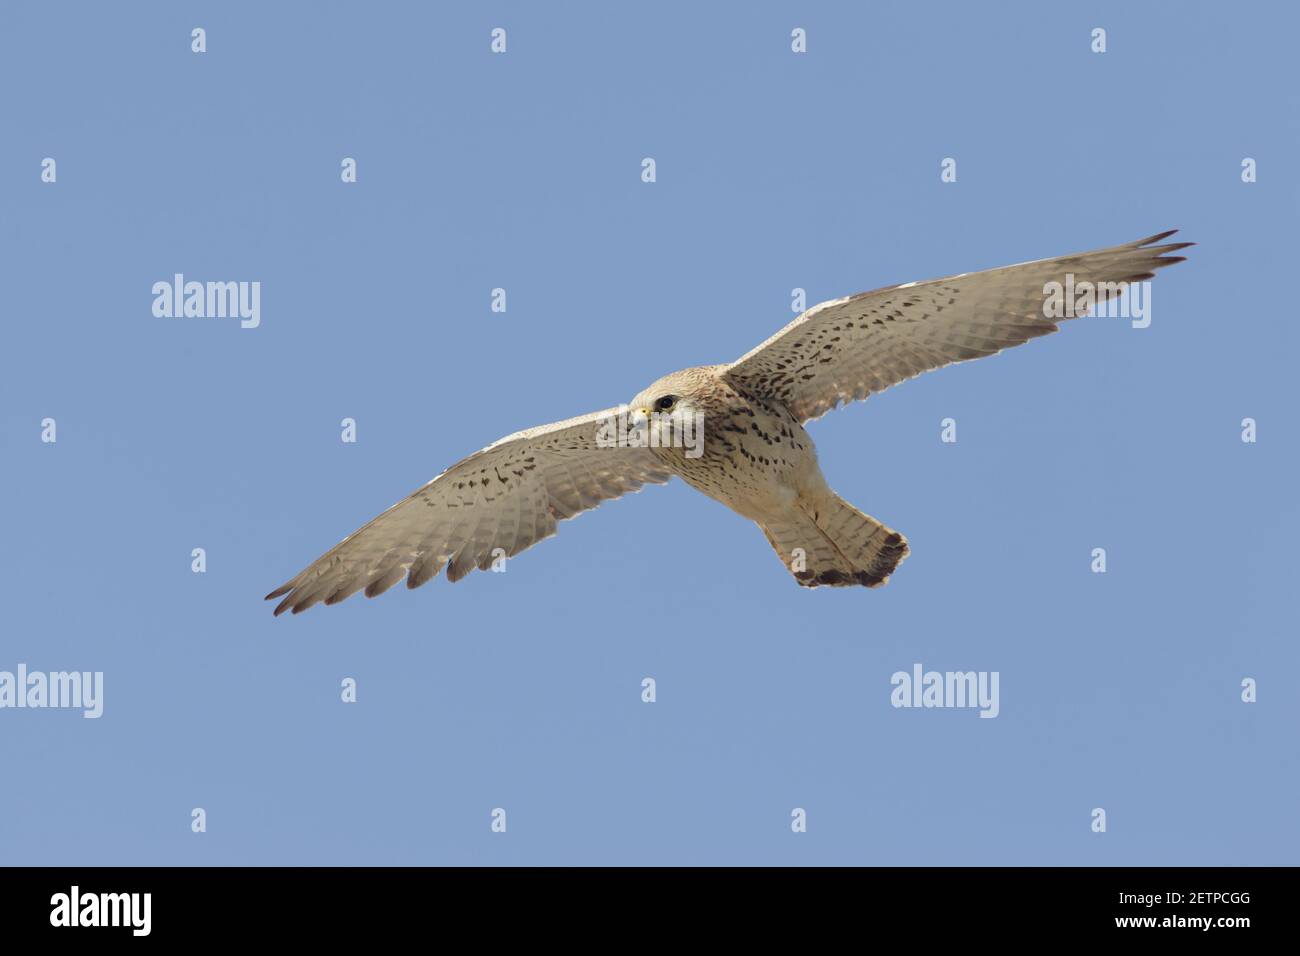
755 456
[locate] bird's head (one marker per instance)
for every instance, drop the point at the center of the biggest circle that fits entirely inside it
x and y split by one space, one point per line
673 394
678 401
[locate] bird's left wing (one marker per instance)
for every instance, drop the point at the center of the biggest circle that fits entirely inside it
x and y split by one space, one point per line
846 349
508 496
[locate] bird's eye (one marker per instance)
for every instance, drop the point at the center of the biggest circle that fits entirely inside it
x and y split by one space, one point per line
666 403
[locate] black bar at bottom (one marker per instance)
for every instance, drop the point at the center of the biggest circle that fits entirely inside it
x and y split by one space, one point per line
376 904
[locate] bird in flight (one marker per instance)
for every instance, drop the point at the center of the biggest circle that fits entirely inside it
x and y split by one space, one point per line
735 432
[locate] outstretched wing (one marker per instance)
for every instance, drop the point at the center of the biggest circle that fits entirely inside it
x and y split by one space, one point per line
846 349
509 496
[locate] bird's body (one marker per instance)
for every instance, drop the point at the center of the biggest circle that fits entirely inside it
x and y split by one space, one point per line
759 461
755 456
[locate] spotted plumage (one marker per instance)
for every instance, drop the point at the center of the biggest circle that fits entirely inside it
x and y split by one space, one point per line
755 455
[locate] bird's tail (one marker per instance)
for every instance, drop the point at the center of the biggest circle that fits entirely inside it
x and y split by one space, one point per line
828 541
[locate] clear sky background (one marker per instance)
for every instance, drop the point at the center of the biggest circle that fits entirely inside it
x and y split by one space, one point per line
523 690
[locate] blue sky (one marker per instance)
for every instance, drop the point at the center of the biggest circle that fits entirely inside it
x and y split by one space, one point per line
523 690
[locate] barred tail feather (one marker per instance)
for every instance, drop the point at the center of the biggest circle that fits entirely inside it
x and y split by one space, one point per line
830 542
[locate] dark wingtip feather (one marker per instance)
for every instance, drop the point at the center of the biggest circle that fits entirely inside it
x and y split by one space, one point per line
1156 238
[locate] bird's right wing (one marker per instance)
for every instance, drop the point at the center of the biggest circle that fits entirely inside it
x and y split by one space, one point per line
847 349
508 496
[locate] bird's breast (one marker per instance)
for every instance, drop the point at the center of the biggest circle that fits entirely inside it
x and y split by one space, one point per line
753 459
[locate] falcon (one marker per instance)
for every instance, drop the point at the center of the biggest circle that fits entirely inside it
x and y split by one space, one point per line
748 448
